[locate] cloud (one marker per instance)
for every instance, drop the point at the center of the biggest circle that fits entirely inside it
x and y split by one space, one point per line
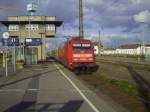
115 16
142 17
94 2
140 1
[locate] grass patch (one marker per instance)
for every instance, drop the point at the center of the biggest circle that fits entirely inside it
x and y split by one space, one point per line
127 56
126 86
121 84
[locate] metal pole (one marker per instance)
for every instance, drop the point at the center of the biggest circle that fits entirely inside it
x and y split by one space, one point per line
14 55
6 67
32 54
23 50
19 53
103 38
81 31
143 43
41 46
3 58
99 41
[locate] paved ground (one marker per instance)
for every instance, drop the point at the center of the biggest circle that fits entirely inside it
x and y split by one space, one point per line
49 88
2 70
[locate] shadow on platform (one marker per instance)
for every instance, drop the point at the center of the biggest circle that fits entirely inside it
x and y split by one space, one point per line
29 77
29 102
71 106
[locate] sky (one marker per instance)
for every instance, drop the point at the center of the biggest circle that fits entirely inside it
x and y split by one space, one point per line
118 21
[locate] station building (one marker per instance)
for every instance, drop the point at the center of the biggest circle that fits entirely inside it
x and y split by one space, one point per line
31 27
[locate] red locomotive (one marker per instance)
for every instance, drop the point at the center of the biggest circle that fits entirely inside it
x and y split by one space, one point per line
78 55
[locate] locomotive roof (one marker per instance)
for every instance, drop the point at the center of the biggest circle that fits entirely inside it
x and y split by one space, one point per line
77 39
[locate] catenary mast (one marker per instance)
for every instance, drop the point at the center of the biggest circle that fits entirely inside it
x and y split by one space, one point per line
81 31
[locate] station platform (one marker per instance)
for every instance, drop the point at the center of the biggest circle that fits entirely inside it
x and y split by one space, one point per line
49 87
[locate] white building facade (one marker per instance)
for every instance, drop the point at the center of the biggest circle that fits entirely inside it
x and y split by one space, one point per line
133 49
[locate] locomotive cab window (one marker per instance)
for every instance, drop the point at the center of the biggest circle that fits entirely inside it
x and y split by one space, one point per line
81 46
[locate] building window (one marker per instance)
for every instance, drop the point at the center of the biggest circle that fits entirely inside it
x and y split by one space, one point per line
50 27
13 27
32 27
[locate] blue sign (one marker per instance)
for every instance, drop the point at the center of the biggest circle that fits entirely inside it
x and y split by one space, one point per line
10 42
33 41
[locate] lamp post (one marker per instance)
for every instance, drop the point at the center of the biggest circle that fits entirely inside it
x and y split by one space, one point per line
6 37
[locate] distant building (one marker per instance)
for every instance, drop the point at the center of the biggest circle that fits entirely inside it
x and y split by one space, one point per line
129 49
96 50
147 52
108 51
23 27
98 47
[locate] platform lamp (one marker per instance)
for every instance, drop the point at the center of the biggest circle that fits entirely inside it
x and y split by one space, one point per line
6 37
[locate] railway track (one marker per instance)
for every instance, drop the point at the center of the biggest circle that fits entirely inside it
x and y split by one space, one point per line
138 66
100 85
122 61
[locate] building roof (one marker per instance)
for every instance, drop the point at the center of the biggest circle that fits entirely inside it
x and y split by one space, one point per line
109 49
148 45
56 23
129 46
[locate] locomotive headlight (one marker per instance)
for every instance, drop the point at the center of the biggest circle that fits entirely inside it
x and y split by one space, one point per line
76 55
88 55
82 55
